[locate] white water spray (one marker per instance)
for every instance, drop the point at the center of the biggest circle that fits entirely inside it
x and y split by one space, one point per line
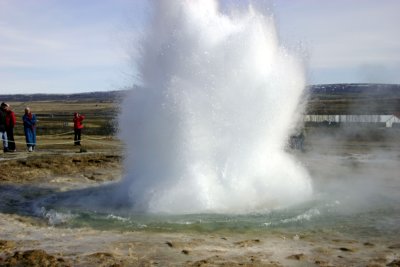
206 132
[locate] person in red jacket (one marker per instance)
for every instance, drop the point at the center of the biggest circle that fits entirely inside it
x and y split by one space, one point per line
10 124
78 126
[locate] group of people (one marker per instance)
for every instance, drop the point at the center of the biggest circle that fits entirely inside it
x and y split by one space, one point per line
8 121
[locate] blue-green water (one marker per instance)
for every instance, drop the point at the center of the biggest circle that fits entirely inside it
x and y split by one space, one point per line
379 218
359 199
379 222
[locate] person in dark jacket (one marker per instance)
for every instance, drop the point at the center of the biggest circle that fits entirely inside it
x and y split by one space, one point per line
10 123
29 120
78 126
3 132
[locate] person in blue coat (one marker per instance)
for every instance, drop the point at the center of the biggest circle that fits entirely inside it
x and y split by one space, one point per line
29 120
3 131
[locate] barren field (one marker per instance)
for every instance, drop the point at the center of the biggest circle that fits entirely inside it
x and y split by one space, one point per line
55 117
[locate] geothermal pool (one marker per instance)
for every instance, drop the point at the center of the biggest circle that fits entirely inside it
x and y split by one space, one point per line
356 194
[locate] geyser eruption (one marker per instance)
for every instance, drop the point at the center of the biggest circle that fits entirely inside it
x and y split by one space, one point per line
206 131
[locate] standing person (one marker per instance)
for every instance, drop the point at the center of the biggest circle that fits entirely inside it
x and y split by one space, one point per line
29 120
10 123
3 132
78 126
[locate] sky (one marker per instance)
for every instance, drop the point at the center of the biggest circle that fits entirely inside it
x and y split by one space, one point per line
71 46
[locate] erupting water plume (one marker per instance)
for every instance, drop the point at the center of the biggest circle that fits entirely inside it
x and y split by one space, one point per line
206 131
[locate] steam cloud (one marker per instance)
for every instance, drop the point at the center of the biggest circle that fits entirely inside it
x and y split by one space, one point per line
206 131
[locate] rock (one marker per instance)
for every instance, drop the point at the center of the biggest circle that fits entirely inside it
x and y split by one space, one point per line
185 251
321 262
298 257
34 258
169 244
395 263
247 243
91 178
346 249
102 259
368 244
394 246
200 263
7 245
323 250
102 255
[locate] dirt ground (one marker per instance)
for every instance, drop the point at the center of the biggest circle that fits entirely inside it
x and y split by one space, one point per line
28 241
57 156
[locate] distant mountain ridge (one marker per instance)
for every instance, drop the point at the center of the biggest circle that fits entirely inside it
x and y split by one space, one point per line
107 96
364 89
317 90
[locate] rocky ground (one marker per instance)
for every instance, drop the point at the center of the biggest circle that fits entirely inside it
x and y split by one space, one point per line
27 243
31 241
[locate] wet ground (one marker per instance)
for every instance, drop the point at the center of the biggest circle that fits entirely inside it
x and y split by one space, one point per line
354 223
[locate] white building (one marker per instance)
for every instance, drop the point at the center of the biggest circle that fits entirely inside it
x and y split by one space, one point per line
387 119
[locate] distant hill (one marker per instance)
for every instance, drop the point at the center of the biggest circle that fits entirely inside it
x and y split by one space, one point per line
362 89
350 98
108 96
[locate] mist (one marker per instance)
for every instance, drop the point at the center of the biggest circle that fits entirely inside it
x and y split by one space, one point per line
207 131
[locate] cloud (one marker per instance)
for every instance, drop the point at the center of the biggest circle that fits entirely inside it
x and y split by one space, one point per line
48 39
375 73
43 41
343 34
84 46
